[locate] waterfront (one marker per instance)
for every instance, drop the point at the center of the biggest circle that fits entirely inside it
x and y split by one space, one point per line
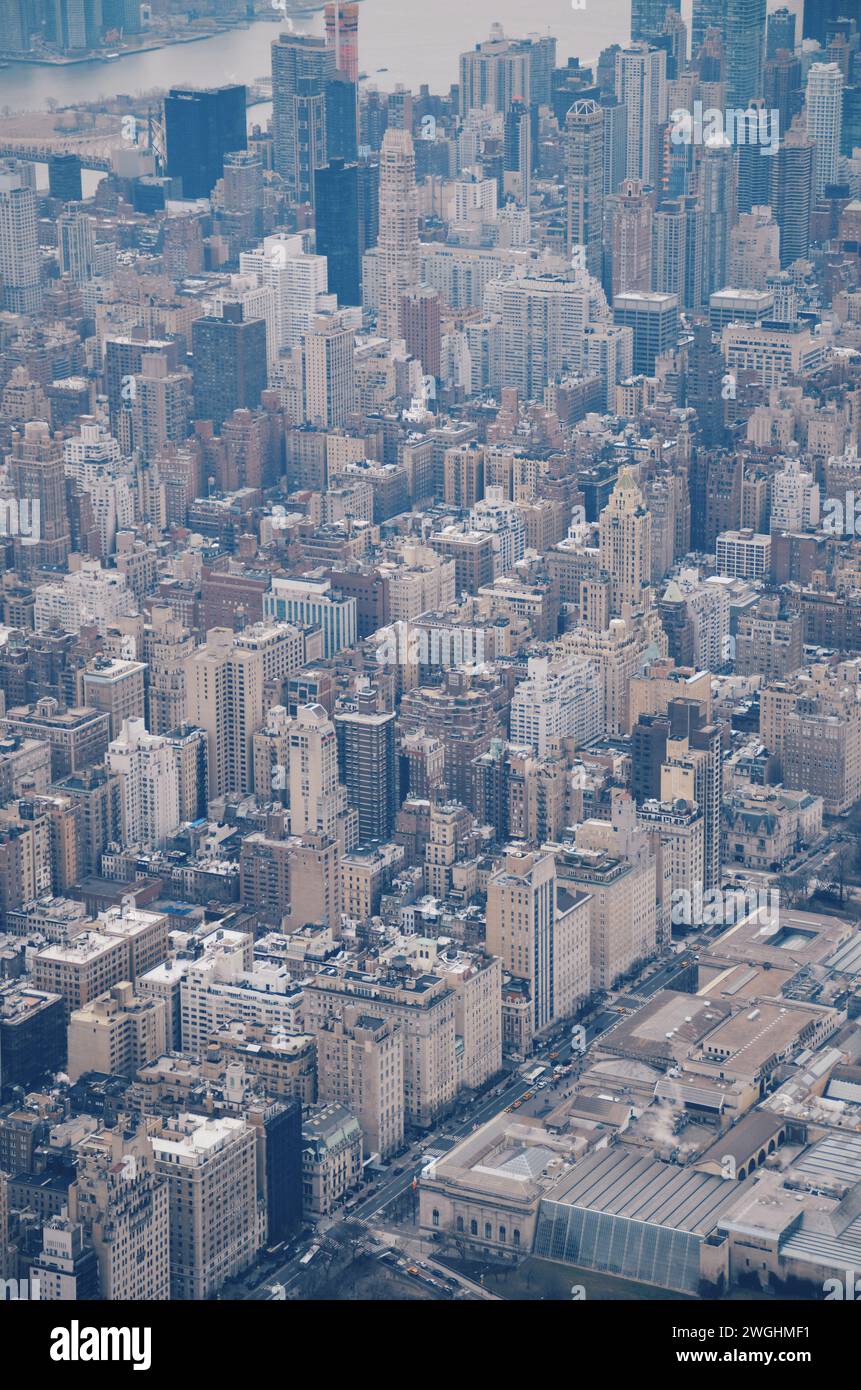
415 42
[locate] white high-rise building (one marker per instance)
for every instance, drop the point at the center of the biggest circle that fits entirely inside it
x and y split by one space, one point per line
541 934
625 543
501 517
300 282
398 242
94 459
609 353
90 595
823 100
327 366
472 201
795 499
584 176
19 244
149 785
641 86
754 249
76 245
91 452
559 699
317 799
544 319
226 683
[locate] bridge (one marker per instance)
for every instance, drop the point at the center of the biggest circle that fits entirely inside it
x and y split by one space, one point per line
94 152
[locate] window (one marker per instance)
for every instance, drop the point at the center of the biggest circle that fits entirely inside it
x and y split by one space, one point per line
435 1216
460 1224
502 1235
473 1228
516 1235
488 1231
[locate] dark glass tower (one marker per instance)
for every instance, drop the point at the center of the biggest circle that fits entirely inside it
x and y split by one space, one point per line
64 177
229 364
744 42
342 120
780 32
820 15
200 128
647 17
336 209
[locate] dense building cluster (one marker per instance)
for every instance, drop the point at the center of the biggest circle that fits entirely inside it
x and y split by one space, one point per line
430 669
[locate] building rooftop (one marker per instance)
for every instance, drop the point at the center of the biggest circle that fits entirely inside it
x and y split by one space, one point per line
624 1182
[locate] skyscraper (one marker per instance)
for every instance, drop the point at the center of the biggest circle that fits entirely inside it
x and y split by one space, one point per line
76 245
543 318
743 30
368 766
584 172
519 129
647 17
641 86
37 475
301 67
64 177
791 193
19 244
298 280
779 32
15 27
317 799
824 104
521 920
677 250
327 360
495 73
628 239
160 405
706 14
342 36
77 25
718 194
229 363
339 232
654 321
820 15
420 320
200 128
782 90
243 194
342 120
693 770
399 236
146 766
625 544
226 685
754 172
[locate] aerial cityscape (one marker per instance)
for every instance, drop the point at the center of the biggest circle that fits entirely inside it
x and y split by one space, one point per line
430 655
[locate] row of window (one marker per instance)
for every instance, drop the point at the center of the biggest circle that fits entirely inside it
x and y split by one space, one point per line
473 1229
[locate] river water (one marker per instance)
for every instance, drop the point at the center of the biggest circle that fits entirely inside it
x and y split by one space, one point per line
415 40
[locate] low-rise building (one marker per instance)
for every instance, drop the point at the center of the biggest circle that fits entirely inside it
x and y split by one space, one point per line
331 1157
